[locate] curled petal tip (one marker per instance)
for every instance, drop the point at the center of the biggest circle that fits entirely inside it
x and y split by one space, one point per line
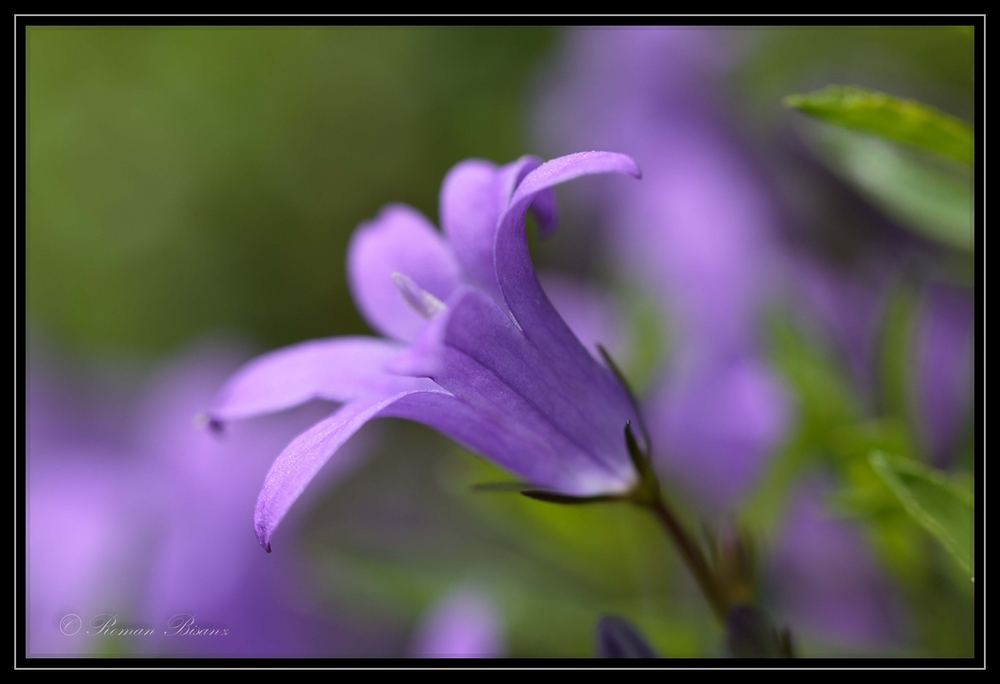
263 537
630 165
205 420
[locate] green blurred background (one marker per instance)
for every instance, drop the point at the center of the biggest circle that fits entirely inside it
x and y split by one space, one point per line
188 180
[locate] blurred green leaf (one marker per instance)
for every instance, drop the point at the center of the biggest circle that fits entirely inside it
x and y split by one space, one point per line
933 64
904 121
942 506
896 364
931 198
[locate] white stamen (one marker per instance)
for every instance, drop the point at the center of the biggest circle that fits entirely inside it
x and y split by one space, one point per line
422 301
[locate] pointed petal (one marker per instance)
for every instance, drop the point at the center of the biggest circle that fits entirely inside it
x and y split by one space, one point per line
471 203
515 272
301 460
488 428
565 357
398 240
543 206
473 196
544 361
336 369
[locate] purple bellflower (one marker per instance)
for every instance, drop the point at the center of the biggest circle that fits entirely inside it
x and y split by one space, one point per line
473 347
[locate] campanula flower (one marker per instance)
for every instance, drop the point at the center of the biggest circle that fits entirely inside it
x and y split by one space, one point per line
472 345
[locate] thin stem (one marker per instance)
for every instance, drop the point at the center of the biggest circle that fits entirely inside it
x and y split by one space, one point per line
693 557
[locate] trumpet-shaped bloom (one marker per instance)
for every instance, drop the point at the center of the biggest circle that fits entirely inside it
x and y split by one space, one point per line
473 347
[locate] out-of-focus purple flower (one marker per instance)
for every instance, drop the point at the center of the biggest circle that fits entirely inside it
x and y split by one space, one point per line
827 586
86 544
86 528
851 309
715 427
698 233
464 624
848 308
944 370
141 528
698 230
474 347
208 570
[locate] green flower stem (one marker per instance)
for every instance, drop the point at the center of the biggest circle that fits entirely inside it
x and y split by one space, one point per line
694 558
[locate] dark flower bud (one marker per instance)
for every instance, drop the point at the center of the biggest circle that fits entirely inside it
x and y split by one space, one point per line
618 638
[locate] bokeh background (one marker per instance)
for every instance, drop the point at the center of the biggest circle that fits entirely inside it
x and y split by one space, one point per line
191 192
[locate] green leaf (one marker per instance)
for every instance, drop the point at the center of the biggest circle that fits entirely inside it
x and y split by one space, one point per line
942 506
933 199
903 121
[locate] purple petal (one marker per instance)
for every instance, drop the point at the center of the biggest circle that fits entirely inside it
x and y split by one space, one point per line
301 460
471 203
337 369
518 282
473 196
507 431
543 206
563 417
399 240
491 420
